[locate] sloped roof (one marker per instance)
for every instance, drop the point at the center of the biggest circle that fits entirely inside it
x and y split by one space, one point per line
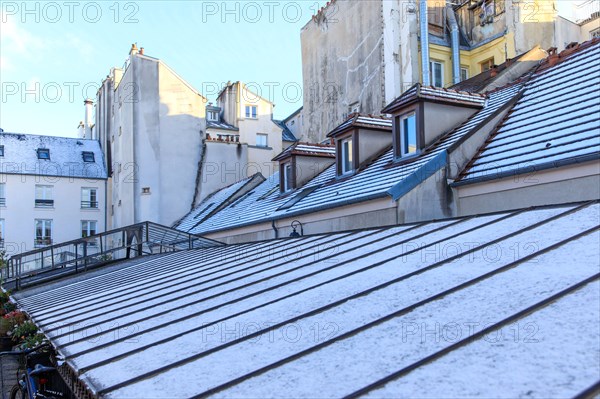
356 120
427 309
286 133
437 94
308 149
557 121
220 125
382 178
66 156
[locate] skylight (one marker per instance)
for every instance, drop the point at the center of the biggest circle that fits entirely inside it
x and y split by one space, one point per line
43 153
88 156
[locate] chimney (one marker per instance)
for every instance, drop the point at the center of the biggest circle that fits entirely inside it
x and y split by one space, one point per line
134 49
553 56
81 130
88 118
493 71
141 51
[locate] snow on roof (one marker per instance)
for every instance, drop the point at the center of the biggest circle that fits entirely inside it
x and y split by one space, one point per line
357 120
308 149
556 122
220 125
379 179
476 306
66 156
420 92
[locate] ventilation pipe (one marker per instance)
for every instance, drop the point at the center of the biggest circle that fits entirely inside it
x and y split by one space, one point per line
424 26
88 118
455 42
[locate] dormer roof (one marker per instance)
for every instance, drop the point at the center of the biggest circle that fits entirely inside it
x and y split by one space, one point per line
356 120
436 94
307 149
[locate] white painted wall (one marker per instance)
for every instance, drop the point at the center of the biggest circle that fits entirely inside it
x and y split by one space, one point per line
20 213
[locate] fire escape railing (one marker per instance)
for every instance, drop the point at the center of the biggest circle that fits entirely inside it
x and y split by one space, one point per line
55 261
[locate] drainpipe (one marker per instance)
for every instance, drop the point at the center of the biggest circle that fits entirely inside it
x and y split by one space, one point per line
424 26
455 43
275 228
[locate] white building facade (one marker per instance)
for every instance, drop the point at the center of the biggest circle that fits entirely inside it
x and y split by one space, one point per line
52 189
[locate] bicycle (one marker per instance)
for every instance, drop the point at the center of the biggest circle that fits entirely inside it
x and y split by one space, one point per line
39 379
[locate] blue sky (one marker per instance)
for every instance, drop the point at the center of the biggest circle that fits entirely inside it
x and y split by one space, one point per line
54 54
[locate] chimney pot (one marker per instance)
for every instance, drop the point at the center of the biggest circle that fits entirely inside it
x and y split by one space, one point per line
141 50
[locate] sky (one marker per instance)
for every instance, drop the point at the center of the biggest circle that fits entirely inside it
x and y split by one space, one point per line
55 54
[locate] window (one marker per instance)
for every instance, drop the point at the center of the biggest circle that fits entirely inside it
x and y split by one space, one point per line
43 197
251 111
88 156
354 108
145 190
43 232
595 34
213 116
288 183
487 65
89 198
406 134
2 195
1 150
88 229
43 153
346 156
261 140
1 233
437 74
464 74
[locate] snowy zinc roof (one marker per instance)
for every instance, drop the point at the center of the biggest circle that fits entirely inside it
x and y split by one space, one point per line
361 120
500 305
66 156
286 133
212 203
556 122
381 178
437 94
308 149
220 125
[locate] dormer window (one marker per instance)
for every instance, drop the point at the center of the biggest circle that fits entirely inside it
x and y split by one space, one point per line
346 158
43 153
405 130
288 178
213 116
88 156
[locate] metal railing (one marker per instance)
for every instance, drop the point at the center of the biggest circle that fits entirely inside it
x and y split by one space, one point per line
79 255
89 204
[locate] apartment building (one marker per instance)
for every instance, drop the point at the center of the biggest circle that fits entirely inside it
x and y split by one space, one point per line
52 189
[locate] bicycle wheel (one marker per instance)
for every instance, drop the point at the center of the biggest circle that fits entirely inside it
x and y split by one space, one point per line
17 393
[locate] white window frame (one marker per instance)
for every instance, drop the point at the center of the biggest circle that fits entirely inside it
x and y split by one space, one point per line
86 198
287 177
86 227
44 239
213 116
402 139
259 142
346 156
432 76
466 73
251 111
46 199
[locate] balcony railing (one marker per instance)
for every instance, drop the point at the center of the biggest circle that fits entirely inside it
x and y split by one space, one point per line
43 242
2 201
89 204
58 260
44 203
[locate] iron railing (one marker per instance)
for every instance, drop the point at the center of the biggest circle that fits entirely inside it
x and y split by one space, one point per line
75 256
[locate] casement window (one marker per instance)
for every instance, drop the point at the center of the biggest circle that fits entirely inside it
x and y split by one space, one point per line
464 74
405 129
262 140
287 182
43 232
487 64
43 196
88 228
346 156
88 156
2 194
89 198
213 116
251 111
437 73
43 153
